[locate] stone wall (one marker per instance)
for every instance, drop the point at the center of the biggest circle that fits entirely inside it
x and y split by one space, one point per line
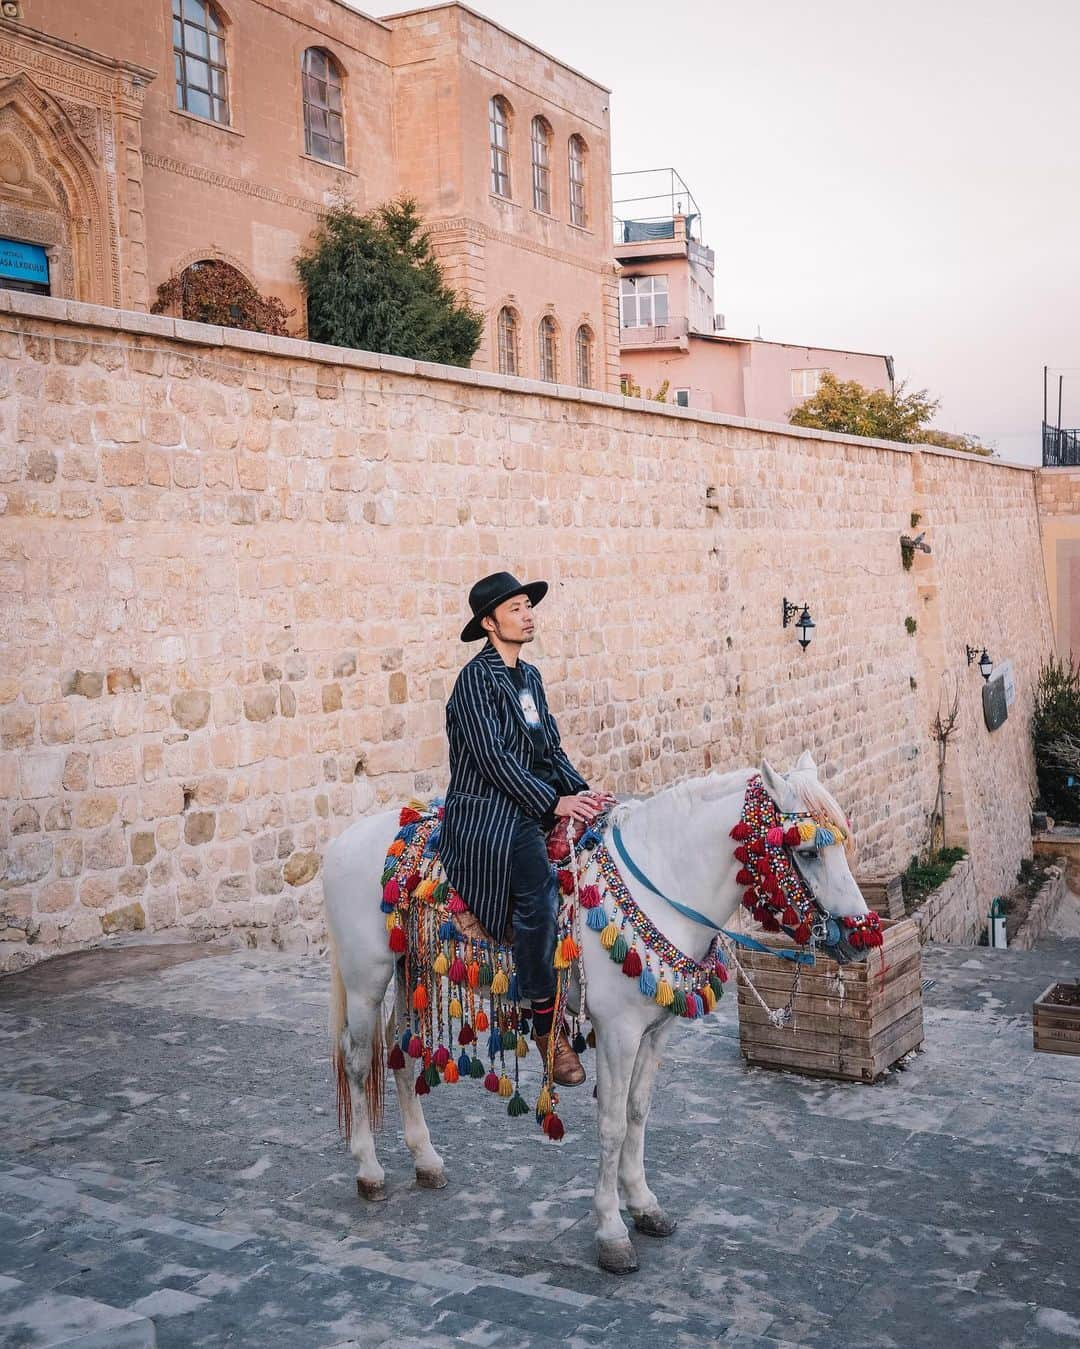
955 912
1059 510
234 568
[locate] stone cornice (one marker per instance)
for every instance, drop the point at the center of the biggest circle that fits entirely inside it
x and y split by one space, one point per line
34 50
476 229
229 183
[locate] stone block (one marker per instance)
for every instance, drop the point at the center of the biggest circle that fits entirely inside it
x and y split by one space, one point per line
260 704
143 847
93 811
41 774
331 698
191 709
27 860
95 892
199 826
77 771
18 726
301 868
57 724
104 850
84 684
129 918
115 767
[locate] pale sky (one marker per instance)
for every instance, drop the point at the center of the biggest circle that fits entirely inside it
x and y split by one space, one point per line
899 178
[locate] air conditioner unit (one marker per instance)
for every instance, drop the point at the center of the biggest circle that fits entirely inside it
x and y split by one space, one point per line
719 323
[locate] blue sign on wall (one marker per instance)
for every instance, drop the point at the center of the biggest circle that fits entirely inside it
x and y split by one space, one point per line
24 262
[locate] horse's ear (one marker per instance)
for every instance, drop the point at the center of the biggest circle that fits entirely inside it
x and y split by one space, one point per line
806 761
774 783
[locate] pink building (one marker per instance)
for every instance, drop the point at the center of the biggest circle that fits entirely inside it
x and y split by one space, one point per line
669 332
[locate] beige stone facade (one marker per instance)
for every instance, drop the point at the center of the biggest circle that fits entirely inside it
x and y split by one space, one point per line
125 188
1059 508
233 570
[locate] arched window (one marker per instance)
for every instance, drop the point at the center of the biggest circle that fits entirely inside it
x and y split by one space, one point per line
499 130
579 214
324 127
507 334
584 348
202 84
541 165
549 349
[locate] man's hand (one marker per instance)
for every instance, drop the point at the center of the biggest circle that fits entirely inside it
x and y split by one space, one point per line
585 806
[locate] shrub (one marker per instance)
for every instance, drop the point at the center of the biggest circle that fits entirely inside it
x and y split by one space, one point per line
1055 732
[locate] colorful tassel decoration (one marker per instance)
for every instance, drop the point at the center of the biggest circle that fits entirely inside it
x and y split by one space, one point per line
486 975
518 1106
741 831
395 1060
491 1081
792 838
431 1075
440 964
419 998
480 1021
744 877
397 940
618 950
416 1047
579 1044
807 832
664 994
454 1009
458 973
455 903
609 936
678 1002
509 1039
589 896
647 983
522 1047
474 974
396 848
464 1063
499 984
631 965
420 1086
466 1035
774 836
553 1127
494 1043
566 881
543 1103
476 1068
570 949
506 1087
597 920
441 1057
512 992
451 1073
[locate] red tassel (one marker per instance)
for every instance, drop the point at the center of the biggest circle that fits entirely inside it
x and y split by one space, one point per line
492 1081
802 933
397 940
748 900
566 881
764 869
420 1086
742 854
408 816
553 1126
395 1060
774 836
466 1035
391 892
457 972
855 939
590 897
744 877
758 847
741 831
631 966
411 882
790 917
482 1022
722 973
442 1057
770 924
792 838
416 1047
455 903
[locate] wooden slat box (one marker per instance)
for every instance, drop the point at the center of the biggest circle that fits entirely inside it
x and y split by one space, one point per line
851 1022
1056 1025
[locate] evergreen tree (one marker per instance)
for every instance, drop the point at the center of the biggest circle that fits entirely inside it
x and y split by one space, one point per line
373 283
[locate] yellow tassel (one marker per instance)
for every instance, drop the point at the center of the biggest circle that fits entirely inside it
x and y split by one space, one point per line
506 1087
522 1047
421 807
440 964
664 995
543 1102
807 832
425 889
569 949
709 996
391 921
559 960
609 936
454 1009
419 997
499 984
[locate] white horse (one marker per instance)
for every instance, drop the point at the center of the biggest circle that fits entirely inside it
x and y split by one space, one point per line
680 840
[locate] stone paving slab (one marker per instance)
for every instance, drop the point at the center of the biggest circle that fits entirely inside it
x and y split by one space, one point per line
169 1159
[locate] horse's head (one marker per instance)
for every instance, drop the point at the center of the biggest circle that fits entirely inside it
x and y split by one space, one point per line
823 866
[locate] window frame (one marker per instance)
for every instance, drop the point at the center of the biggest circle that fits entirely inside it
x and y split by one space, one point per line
508 340
800 374
333 79
500 124
183 85
547 333
584 346
577 155
541 139
643 299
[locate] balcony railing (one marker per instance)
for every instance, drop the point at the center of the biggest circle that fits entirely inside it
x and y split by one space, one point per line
1061 448
673 329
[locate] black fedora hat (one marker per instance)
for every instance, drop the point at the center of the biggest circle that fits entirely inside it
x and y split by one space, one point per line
488 593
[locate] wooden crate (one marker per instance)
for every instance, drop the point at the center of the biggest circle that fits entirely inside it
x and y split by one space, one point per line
883 894
851 1021
1056 1026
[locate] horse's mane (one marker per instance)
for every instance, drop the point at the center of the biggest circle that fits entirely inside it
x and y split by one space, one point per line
820 802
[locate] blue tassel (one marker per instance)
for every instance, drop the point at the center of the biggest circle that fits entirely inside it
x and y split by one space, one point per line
512 993
386 908
647 982
448 932
405 1038
494 1043
597 919
824 838
408 833
464 1063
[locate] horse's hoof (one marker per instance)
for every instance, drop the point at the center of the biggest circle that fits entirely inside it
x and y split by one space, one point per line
655 1224
616 1257
372 1190
431 1180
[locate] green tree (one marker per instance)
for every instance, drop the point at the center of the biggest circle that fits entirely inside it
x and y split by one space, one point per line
847 407
373 282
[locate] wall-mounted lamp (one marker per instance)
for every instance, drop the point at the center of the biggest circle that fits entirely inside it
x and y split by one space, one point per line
805 623
986 665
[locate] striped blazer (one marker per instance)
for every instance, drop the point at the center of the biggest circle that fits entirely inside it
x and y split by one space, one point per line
491 785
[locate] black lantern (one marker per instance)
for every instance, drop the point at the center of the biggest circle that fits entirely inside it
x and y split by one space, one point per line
805 624
986 665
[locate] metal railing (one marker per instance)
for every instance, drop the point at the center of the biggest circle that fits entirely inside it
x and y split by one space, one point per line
1061 448
673 329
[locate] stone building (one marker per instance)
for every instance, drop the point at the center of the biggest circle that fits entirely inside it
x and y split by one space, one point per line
139 141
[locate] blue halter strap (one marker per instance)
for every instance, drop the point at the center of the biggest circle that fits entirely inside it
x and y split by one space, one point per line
739 938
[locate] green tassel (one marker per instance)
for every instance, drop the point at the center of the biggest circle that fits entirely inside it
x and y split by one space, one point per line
716 986
476 1068
518 1105
486 975
388 874
431 1075
441 891
618 950
509 1039
678 1006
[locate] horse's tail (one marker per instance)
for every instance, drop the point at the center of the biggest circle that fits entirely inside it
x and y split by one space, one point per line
375 1083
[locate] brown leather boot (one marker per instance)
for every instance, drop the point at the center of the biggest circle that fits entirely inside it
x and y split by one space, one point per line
566 1069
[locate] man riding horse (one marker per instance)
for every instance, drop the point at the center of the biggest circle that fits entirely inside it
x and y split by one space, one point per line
510 780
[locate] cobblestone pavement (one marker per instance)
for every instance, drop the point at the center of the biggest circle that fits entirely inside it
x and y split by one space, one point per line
170 1174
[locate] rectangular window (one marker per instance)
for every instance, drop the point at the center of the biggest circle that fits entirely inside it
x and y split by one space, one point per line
644 301
682 398
805 383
